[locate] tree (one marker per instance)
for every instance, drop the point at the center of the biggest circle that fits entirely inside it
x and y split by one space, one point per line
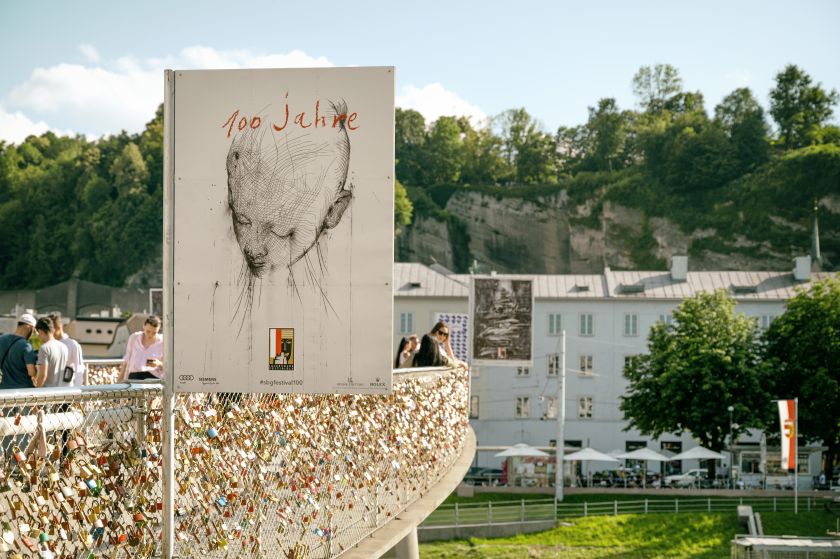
530 151
799 108
606 135
410 136
443 152
484 162
802 346
742 119
694 370
402 207
654 86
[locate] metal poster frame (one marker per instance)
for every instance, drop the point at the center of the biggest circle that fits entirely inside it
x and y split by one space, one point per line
473 331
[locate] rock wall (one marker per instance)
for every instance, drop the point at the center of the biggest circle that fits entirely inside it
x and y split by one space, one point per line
550 236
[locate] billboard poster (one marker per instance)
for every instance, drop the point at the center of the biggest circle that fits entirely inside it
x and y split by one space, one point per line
502 321
282 195
458 333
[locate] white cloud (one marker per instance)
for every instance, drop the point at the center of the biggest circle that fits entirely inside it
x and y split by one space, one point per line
102 98
90 53
15 127
433 101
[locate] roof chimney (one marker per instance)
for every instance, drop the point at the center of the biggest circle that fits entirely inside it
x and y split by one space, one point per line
679 268
802 268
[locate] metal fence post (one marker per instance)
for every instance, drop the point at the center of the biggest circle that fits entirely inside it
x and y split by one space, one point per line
585 508
522 510
710 505
646 506
555 510
676 505
456 514
490 512
615 508
774 504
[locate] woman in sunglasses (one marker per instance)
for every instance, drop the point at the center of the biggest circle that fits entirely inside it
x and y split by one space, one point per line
440 334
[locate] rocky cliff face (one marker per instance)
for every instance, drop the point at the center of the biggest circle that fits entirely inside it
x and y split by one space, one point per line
550 236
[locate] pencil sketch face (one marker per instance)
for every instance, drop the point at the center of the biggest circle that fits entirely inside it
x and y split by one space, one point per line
285 191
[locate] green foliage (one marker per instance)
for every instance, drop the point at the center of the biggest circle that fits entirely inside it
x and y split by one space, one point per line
74 207
803 348
799 108
655 86
402 207
694 370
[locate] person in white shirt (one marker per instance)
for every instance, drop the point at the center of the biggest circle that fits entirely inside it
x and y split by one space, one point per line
50 369
144 353
75 360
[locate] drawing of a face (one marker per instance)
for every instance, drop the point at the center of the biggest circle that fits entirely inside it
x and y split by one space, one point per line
285 190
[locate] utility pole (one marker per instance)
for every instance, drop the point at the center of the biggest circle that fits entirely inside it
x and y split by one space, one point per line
560 445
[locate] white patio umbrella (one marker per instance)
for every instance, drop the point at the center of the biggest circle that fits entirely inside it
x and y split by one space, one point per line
590 454
646 455
520 450
698 453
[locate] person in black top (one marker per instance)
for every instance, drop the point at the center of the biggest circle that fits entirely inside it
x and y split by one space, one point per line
17 358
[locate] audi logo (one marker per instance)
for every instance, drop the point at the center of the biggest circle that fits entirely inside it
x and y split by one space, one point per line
186 377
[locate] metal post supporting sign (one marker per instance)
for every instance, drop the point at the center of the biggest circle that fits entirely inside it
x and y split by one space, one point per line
168 337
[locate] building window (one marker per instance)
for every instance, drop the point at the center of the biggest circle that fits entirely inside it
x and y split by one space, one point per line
631 324
666 319
551 408
585 366
523 406
523 371
406 322
585 407
765 321
627 360
553 364
554 324
473 407
586 328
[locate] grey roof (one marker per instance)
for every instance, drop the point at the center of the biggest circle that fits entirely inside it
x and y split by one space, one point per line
412 279
417 280
774 286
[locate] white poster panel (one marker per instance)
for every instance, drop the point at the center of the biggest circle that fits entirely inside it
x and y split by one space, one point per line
458 333
501 321
283 230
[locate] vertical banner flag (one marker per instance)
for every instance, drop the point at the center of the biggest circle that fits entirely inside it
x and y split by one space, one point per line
787 420
458 338
283 230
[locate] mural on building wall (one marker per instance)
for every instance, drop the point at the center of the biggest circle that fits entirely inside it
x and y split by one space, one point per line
502 313
458 333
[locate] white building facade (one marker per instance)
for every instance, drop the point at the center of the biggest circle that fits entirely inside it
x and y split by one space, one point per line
606 318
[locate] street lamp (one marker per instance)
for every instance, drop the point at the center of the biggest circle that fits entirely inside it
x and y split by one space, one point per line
731 450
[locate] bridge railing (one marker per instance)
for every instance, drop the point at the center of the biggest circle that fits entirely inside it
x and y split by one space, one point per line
257 475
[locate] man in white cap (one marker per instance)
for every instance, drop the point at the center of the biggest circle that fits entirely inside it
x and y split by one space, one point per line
17 358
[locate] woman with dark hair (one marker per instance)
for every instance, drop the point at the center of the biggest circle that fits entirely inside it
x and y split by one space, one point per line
428 355
403 352
440 333
144 353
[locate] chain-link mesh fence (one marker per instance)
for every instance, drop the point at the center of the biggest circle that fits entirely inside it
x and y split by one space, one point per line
80 471
258 475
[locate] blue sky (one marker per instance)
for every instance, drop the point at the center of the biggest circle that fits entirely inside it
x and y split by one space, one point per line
94 67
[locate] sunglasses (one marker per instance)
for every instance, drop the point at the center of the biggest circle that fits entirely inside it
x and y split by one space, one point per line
444 332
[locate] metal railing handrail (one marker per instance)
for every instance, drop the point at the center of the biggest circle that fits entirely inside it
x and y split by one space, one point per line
21 396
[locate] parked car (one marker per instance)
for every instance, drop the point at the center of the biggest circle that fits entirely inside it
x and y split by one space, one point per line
483 476
691 477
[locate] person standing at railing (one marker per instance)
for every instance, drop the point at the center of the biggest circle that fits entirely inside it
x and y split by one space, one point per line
75 360
17 358
51 368
144 353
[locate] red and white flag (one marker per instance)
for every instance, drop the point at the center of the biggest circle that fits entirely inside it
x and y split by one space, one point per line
787 420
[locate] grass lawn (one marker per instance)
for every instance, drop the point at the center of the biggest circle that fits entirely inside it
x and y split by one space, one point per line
654 536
